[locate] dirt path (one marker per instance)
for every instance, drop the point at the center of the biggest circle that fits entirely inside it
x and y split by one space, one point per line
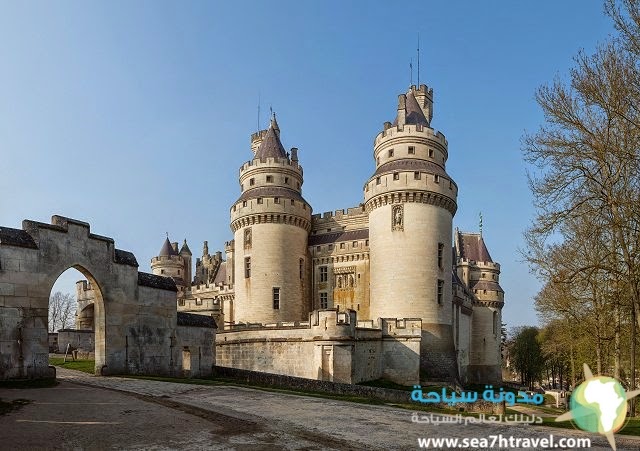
105 413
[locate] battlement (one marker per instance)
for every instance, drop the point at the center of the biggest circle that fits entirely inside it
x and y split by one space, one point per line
423 89
212 289
418 131
270 163
481 265
167 259
229 246
330 216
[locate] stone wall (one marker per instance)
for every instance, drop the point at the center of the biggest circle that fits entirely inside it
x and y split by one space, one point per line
134 313
330 347
77 339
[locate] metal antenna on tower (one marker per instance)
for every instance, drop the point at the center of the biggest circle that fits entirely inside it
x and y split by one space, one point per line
258 129
418 59
480 223
411 70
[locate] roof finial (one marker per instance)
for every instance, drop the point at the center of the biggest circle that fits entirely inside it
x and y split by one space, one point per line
481 224
167 235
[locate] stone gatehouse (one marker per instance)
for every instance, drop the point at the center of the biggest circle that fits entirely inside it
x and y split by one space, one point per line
136 323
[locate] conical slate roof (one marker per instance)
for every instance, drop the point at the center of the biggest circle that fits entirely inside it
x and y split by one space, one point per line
167 250
271 147
185 249
413 113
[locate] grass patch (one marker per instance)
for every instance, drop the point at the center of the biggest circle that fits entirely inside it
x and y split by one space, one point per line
632 427
86 366
383 383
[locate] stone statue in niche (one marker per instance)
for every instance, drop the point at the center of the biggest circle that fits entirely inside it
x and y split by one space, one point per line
339 282
397 217
351 281
247 238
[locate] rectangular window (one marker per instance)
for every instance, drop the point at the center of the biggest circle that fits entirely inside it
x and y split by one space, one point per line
390 153
440 255
286 180
436 178
323 300
247 267
341 245
259 200
323 274
269 179
354 244
276 200
198 301
431 153
293 202
412 150
396 176
440 291
244 203
301 268
252 182
276 298
377 180
181 302
416 175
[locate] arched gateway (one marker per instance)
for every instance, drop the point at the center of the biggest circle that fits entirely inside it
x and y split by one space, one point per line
137 327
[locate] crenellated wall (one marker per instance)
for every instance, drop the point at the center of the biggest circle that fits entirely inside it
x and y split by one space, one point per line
330 346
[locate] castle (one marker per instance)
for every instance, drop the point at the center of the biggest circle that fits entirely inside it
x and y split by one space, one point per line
371 291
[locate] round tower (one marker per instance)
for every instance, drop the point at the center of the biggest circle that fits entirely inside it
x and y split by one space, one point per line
411 201
271 223
482 275
169 263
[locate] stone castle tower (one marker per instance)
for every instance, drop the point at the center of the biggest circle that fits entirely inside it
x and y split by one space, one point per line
271 223
411 201
173 263
481 274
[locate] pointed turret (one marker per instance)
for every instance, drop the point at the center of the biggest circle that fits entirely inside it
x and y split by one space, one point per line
167 249
185 249
271 147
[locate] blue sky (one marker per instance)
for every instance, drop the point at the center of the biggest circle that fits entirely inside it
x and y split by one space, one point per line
135 116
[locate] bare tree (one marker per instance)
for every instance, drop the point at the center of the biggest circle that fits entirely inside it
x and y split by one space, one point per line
62 308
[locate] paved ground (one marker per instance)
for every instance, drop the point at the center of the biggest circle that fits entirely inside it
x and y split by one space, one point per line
85 412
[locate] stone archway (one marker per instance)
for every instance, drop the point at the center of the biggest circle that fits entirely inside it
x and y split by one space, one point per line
97 316
136 320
